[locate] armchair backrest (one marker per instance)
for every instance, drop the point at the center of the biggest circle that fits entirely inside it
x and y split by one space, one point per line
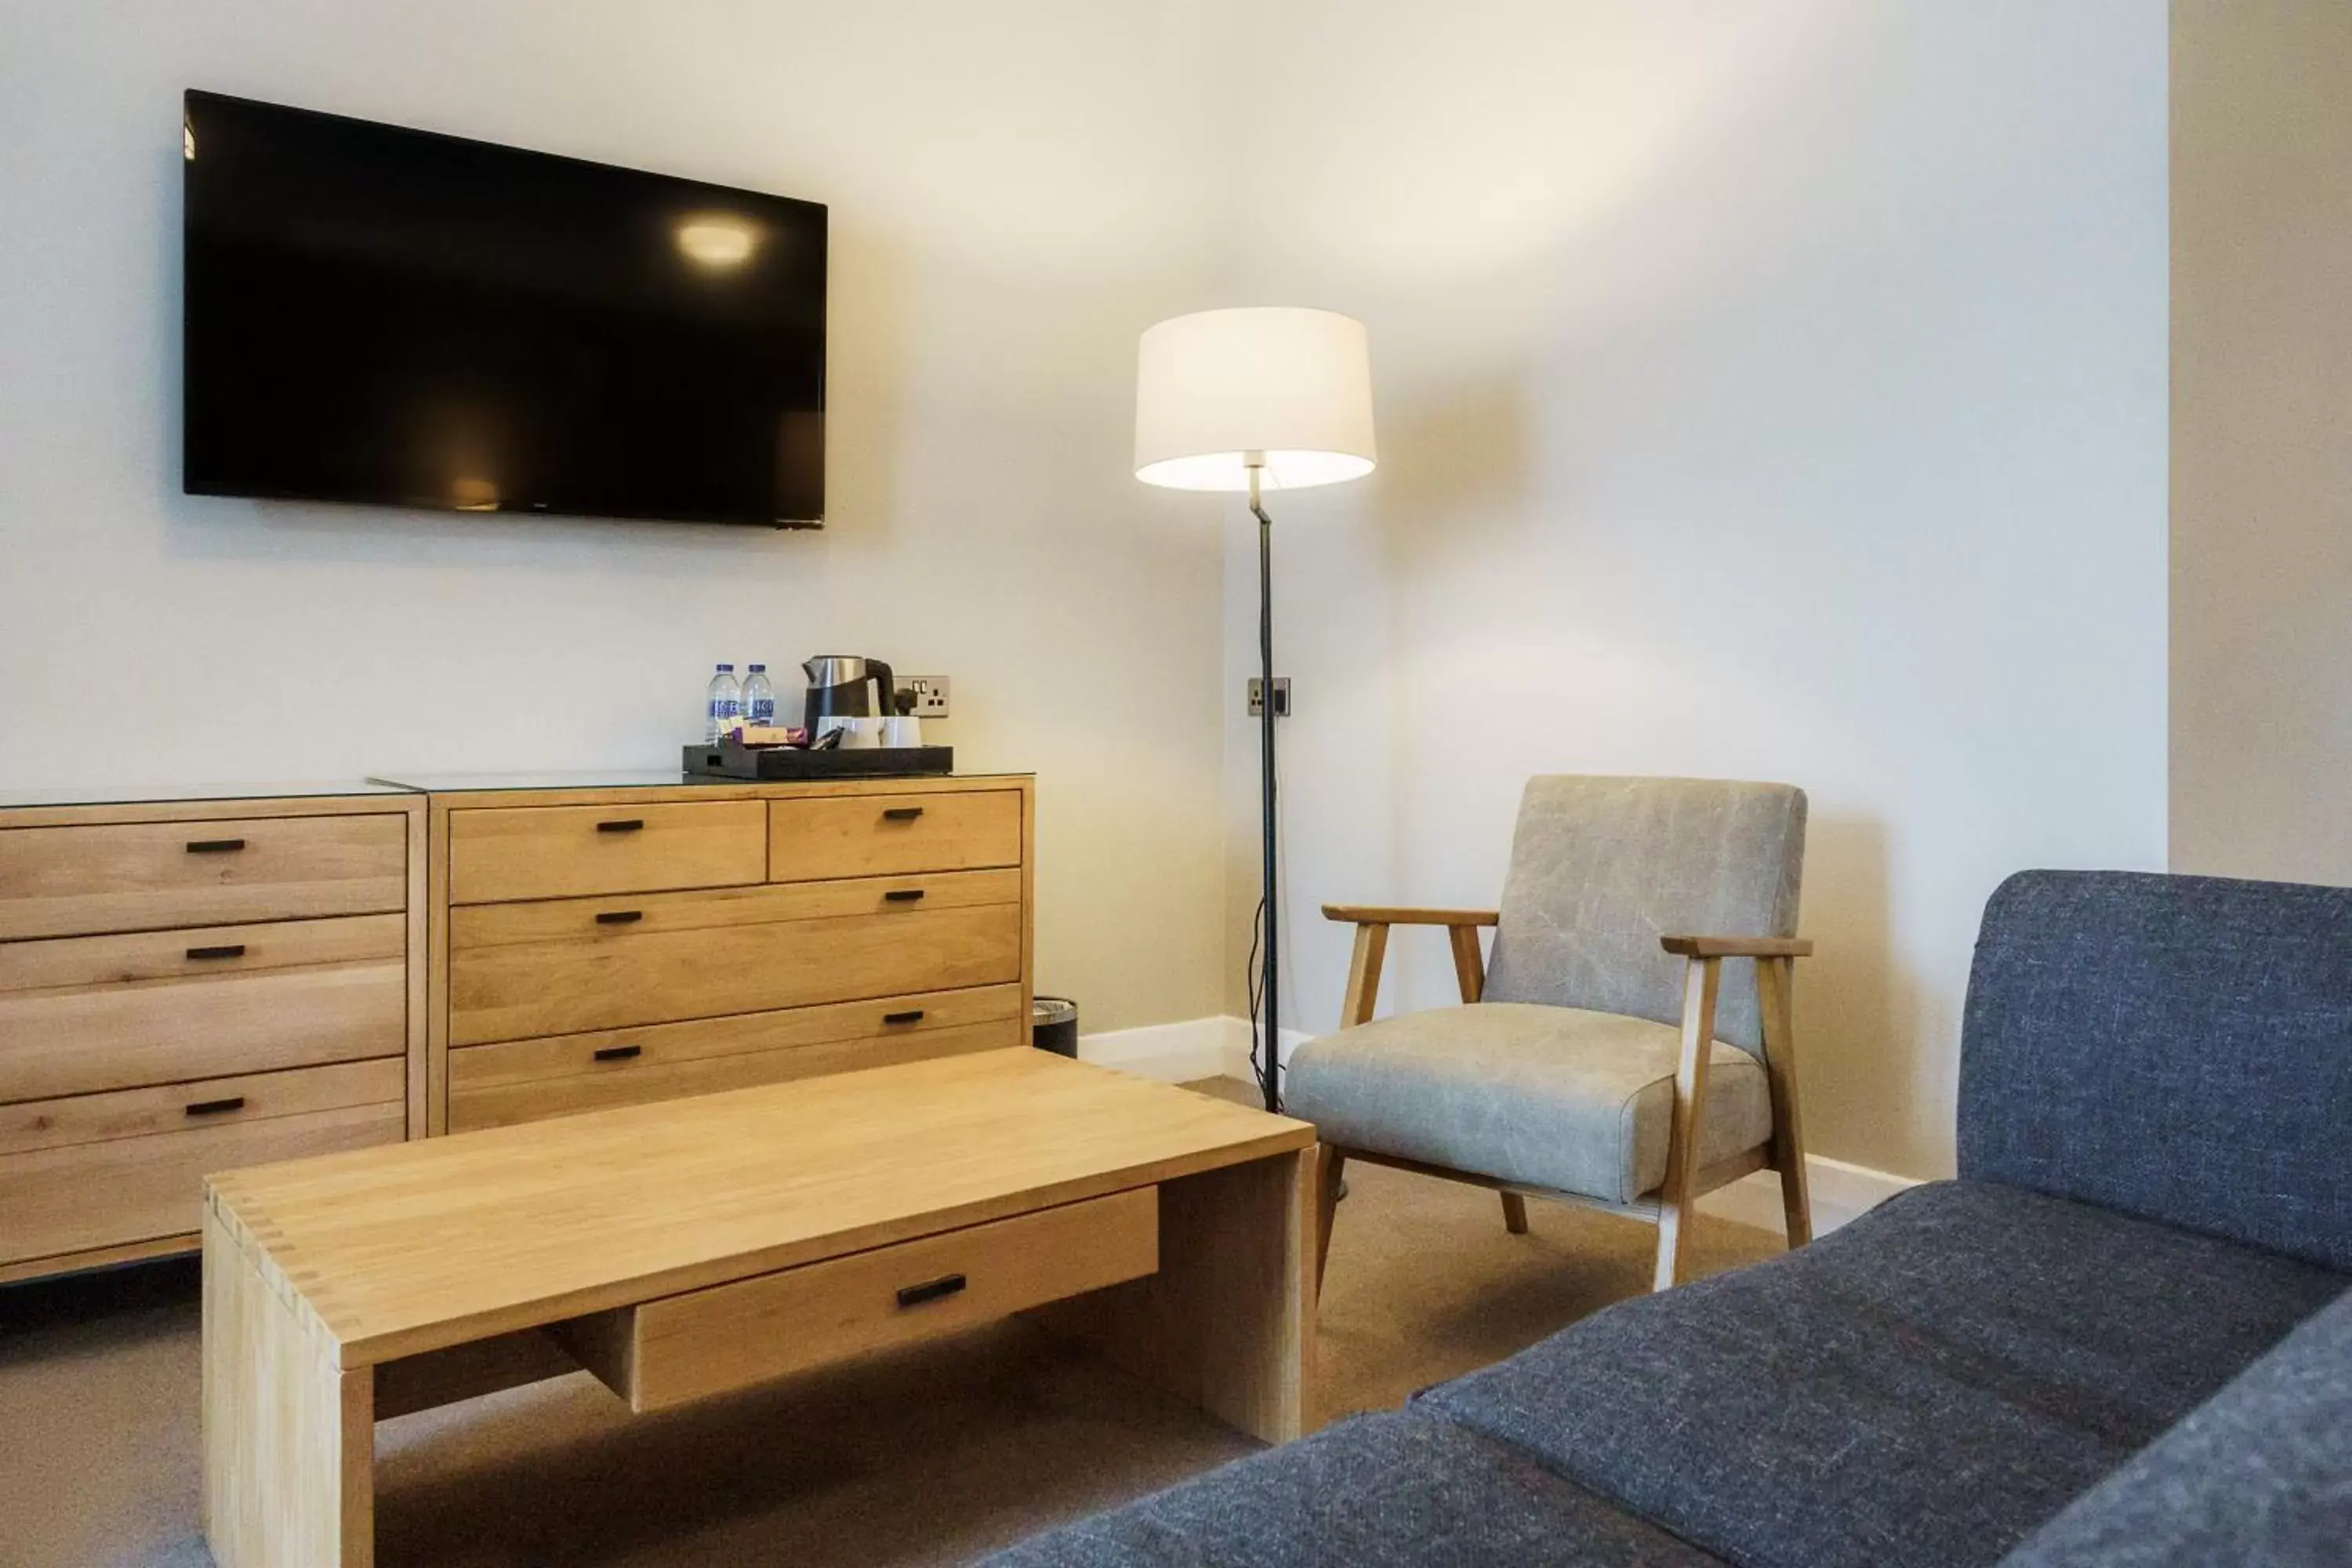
2176 1048
1601 867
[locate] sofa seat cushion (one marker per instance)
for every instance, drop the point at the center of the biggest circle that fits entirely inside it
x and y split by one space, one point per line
1401 1486
2260 1473
1923 1387
1525 1092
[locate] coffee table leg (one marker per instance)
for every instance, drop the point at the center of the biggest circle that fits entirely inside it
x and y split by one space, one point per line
1226 1322
290 1435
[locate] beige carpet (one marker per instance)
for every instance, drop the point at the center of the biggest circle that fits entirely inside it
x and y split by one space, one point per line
928 1457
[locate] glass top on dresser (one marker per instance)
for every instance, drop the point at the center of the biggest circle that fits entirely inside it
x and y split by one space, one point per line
167 793
614 778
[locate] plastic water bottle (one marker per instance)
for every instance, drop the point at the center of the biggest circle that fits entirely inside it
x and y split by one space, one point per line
758 697
724 703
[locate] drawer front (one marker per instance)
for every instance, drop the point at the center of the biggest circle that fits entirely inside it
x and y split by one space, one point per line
137 1189
198 951
86 1038
194 1107
888 834
501 853
609 1051
572 919
147 876
637 1081
669 963
708 1342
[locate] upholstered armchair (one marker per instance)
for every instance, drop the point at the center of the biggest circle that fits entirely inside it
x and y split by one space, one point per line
1606 1058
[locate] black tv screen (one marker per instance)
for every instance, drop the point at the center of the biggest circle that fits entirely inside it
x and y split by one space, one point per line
376 314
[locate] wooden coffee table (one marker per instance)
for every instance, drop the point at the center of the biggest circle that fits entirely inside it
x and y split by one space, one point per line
697 1246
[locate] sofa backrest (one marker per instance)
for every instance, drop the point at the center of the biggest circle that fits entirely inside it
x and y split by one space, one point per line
2261 1473
2176 1048
1603 867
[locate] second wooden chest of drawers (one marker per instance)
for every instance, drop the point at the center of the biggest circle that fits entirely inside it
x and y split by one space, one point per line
602 946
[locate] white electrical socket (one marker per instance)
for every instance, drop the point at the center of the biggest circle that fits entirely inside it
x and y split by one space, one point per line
931 693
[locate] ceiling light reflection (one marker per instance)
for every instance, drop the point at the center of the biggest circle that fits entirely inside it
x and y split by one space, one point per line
716 241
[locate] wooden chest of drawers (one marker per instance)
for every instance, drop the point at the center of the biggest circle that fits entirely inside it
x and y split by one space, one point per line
191 985
601 947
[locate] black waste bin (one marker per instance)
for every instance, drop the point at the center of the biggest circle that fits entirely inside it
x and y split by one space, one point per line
1054 1026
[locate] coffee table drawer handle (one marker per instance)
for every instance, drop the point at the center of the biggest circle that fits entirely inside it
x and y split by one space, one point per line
624 824
214 1107
226 950
902 813
930 1289
619 917
619 1053
911 1016
903 895
214 845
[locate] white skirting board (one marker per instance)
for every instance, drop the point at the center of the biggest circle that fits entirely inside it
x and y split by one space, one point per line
1197 1048
1186 1052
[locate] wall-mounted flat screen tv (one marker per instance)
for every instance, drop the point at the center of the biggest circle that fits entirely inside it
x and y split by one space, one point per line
390 316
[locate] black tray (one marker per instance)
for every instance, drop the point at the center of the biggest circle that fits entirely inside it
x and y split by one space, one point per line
732 759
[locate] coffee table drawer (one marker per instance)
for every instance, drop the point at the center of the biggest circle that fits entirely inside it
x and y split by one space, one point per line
887 835
146 876
680 1348
501 853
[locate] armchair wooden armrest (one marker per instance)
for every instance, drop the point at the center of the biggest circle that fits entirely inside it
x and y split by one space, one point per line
1381 915
1738 946
1373 922
1703 958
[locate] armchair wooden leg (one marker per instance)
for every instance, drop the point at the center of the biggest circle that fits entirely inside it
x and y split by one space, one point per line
1328 1163
1774 982
1680 1191
1515 1214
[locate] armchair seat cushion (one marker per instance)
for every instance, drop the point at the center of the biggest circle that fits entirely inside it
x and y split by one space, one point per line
1525 1092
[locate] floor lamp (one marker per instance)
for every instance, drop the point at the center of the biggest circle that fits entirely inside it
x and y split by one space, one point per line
1245 402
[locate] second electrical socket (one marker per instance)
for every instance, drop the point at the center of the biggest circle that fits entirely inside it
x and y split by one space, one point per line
931 693
1281 696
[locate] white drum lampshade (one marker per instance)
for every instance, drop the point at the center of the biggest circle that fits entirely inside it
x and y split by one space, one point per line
1283 390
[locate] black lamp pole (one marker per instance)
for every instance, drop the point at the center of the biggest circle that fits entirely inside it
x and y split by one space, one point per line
1269 1038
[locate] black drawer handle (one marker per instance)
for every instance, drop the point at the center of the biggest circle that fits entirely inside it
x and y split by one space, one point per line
226 950
903 895
216 1107
911 1016
622 825
619 1053
619 917
214 845
930 1289
902 813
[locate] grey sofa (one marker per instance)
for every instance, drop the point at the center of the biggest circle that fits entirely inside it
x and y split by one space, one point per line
2122 1337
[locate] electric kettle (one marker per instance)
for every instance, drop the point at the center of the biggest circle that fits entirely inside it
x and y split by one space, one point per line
845 686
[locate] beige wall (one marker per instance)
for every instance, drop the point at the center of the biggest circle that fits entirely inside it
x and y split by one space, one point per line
1017 189
1770 391
2261 439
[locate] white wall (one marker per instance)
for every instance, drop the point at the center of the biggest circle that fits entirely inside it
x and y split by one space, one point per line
1769 390
1016 191
2261 439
